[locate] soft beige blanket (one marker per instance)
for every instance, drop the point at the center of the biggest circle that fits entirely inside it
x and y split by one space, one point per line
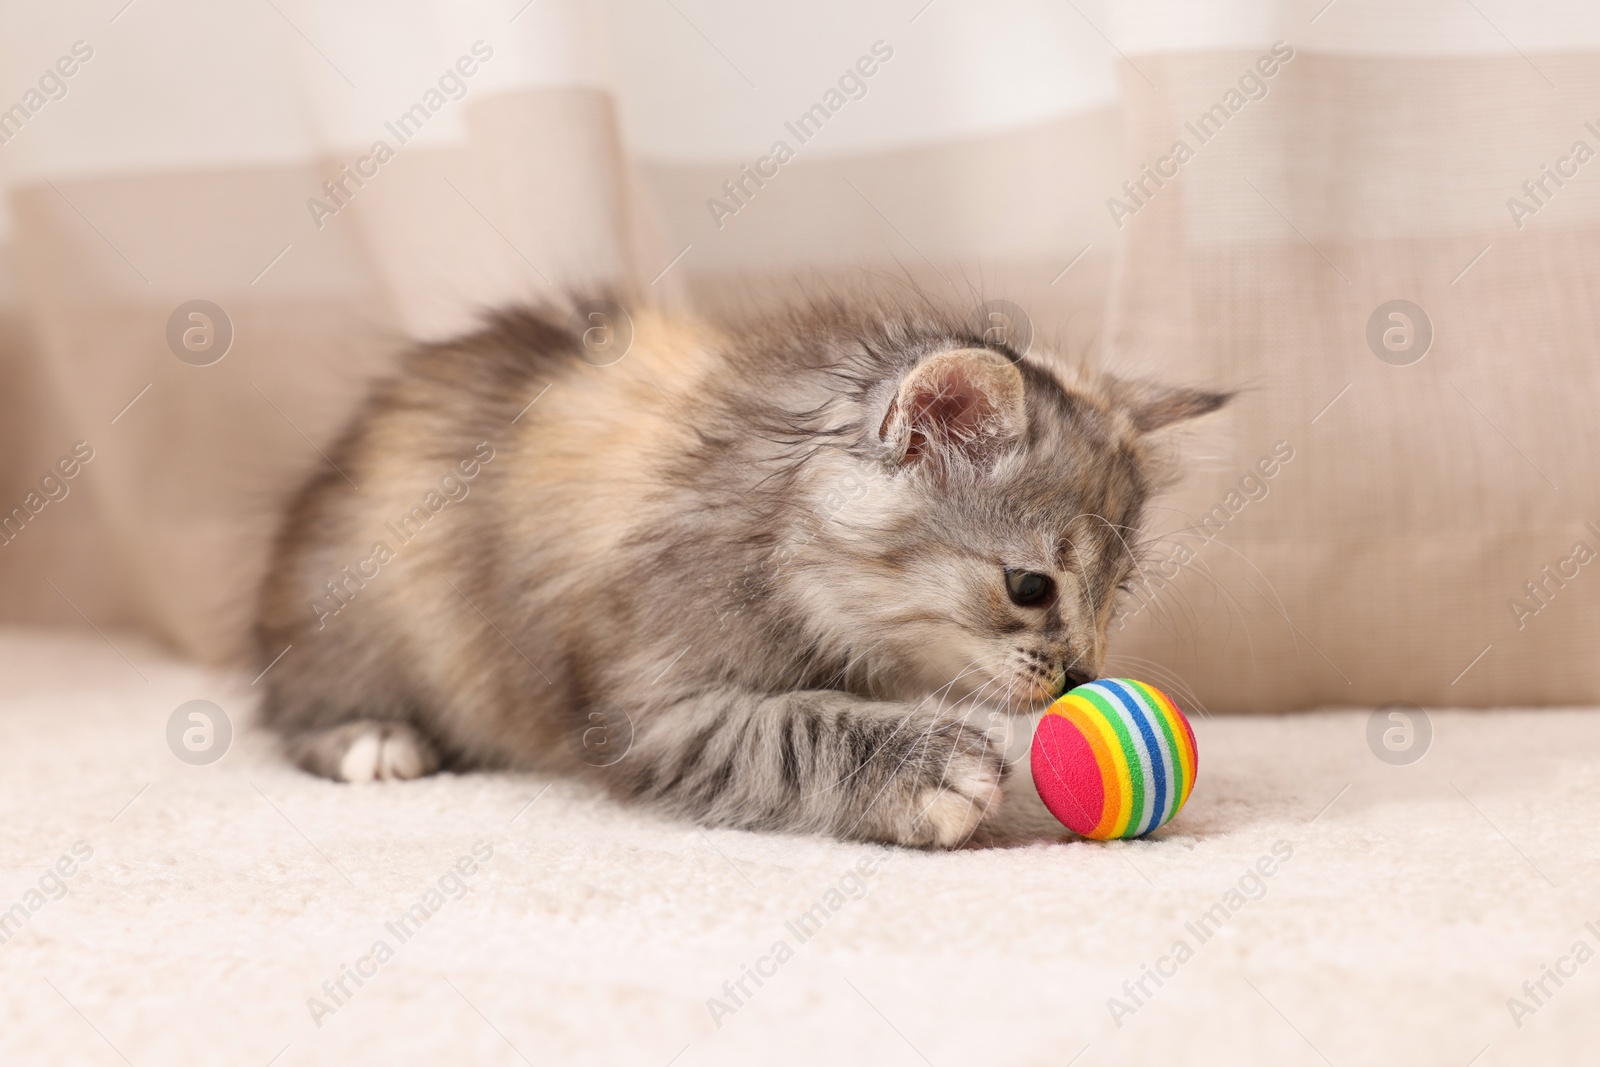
1330 908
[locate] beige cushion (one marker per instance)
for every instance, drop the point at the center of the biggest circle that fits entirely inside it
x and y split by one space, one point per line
1382 562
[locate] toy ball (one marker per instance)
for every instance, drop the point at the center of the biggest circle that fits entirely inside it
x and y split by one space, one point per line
1114 758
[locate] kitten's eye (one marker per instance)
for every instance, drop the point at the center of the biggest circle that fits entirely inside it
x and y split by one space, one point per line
1029 589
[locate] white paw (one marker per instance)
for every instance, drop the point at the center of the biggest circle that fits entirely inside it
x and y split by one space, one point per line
954 782
400 758
379 754
948 817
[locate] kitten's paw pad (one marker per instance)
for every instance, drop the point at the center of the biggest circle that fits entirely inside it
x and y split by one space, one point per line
365 751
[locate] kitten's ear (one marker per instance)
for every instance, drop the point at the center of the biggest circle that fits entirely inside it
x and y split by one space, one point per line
1151 406
966 403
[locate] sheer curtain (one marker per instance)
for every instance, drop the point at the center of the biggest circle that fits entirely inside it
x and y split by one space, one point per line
318 183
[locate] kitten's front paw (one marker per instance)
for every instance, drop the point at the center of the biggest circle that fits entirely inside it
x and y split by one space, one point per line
363 751
947 782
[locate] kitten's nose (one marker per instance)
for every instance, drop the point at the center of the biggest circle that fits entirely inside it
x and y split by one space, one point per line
1071 680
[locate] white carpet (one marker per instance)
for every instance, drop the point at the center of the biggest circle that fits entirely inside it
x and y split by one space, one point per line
222 897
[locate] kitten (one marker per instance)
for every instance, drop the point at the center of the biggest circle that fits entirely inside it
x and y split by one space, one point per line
754 575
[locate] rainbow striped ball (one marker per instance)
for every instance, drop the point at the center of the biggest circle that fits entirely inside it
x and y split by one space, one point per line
1114 758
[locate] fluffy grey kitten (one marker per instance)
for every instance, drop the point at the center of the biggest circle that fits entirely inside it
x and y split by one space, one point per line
754 575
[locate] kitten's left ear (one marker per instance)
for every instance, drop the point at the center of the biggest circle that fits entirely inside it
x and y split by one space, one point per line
966 403
1151 407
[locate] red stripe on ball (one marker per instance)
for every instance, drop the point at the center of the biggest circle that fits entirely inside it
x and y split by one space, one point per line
1066 775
